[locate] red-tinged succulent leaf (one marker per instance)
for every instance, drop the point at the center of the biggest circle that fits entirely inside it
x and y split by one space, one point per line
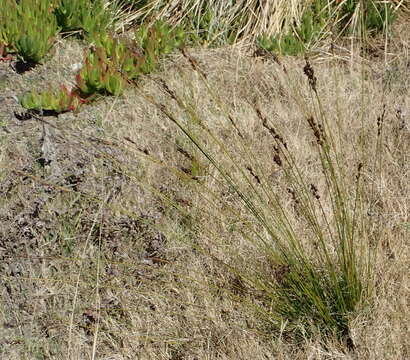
80 82
65 90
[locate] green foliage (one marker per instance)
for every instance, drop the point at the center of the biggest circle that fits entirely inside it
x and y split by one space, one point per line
158 40
9 25
316 298
377 15
130 64
204 26
100 75
289 44
298 39
112 62
109 64
88 16
57 101
28 28
108 42
120 53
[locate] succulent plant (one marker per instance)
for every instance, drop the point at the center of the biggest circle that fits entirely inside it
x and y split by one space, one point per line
55 101
100 75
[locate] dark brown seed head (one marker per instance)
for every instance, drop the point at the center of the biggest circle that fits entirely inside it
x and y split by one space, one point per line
310 73
255 176
380 120
278 138
170 92
235 126
315 191
317 129
359 171
276 156
193 63
277 159
293 195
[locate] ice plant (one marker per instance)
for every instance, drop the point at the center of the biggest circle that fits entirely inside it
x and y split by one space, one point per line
99 75
121 53
3 52
37 29
158 40
87 16
55 101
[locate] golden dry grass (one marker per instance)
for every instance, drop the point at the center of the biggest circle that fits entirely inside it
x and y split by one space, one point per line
253 17
100 267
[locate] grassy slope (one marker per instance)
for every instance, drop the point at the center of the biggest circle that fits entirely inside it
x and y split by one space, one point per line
82 277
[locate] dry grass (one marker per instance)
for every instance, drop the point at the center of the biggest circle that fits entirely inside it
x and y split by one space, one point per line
97 263
247 18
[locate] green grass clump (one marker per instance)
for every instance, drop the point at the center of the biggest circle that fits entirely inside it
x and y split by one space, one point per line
320 274
344 18
369 16
296 41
